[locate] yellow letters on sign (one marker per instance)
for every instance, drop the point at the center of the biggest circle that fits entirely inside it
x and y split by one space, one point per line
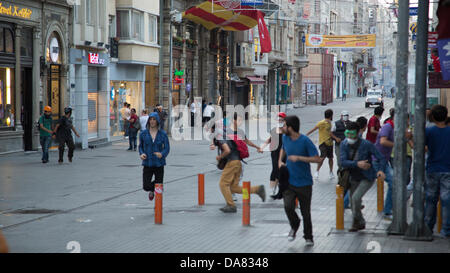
15 11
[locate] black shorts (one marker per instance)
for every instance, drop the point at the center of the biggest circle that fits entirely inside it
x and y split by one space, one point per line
326 151
148 173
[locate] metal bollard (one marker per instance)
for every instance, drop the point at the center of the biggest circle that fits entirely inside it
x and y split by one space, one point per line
439 216
158 203
246 203
201 189
380 194
339 207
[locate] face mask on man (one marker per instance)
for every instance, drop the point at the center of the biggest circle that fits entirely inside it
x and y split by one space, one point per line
351 136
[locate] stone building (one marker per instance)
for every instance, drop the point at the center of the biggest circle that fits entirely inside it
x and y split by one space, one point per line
34 53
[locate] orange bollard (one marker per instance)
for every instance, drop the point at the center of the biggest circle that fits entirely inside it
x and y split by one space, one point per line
339 207
201 189
246 203
296 202
439 216
158 203
380 194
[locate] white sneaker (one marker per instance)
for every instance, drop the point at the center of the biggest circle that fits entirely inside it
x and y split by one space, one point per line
309 242
331 176
316 175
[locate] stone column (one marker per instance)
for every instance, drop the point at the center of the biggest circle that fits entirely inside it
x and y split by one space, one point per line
195 87
103 103
36 84
183 65
81 105
18 82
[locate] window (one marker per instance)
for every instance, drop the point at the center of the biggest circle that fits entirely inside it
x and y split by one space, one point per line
153 28
112 26
6 97
26 42
9 41
137 25
88 11
123 24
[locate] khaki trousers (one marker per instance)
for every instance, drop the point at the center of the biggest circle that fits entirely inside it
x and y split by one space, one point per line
229 181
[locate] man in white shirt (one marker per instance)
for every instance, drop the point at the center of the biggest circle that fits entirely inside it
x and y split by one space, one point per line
143 119
125 114
193 111
207 113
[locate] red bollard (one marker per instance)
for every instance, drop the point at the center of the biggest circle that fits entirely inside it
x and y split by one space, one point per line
158 203
201 189
246 203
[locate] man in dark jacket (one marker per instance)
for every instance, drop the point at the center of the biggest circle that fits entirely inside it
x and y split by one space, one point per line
357 155
63 132
153 149
338 130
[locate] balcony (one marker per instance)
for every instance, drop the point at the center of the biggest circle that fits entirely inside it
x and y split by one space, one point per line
301 61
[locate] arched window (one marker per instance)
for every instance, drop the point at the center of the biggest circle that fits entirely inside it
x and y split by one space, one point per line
53 51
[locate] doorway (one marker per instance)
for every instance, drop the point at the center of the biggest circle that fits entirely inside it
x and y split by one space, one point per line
27 108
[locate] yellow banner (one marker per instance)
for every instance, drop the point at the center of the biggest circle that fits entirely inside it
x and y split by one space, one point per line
341 41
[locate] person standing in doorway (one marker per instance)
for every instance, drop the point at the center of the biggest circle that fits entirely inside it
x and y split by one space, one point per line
45 132
63 132
300 152
133 130
193 111
325 142
125 114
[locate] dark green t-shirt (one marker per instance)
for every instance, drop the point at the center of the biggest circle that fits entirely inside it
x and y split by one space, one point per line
47 123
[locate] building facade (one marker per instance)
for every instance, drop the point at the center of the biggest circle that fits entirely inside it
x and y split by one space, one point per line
34 53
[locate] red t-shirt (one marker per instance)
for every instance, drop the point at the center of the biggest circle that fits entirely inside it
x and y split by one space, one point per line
134 118
373 122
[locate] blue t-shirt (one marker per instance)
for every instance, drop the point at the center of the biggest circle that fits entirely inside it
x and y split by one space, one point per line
438 142
299 172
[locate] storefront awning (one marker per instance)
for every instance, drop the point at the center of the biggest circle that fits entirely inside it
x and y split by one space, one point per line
213 15
256 80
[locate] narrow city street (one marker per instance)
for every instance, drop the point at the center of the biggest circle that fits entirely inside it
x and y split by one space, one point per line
97 204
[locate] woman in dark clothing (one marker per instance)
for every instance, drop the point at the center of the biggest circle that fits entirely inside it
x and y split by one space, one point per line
275 141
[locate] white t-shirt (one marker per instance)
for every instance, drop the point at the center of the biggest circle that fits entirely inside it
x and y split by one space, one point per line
125 112
143 120
193 108
208 111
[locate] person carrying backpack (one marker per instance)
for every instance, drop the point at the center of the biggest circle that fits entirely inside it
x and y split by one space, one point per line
234 149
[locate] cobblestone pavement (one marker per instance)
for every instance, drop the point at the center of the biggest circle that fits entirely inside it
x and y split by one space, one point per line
98 202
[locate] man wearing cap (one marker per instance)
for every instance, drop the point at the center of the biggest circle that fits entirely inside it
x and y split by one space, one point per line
63 132
45 132
339 132
153 149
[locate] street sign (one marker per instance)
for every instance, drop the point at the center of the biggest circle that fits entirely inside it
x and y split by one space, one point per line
432 39
444 57
413 11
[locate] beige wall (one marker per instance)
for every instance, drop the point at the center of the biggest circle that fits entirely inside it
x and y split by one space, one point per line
151 6
138 53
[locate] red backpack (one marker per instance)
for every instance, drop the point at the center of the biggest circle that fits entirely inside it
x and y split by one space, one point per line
241 146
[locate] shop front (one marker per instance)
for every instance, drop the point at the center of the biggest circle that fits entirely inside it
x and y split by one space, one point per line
91 95
127 84
19 75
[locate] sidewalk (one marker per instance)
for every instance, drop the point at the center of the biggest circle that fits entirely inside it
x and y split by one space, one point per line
98 201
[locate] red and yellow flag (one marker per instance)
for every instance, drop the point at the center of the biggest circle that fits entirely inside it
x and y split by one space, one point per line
213 15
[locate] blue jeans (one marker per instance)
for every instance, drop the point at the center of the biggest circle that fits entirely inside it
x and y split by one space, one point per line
45 144
437 185
347 200
132 133
389 172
